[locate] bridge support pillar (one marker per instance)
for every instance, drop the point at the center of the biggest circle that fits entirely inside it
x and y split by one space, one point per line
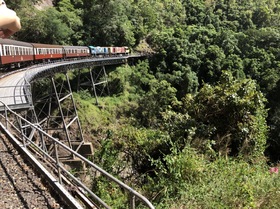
70 122
96 81
58 114
99 78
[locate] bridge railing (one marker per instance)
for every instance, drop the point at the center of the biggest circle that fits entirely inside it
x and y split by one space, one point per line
18 125
19 99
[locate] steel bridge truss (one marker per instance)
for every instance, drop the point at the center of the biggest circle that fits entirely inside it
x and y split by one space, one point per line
64 123
24 135
48 126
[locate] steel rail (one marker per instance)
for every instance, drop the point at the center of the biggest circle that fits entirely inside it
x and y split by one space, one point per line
26 140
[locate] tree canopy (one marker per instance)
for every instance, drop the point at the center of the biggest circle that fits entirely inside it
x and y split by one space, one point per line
209 87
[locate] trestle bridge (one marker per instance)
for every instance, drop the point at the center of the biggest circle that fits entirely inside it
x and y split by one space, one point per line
31 132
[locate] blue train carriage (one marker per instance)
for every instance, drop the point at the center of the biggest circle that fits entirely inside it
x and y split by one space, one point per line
99 51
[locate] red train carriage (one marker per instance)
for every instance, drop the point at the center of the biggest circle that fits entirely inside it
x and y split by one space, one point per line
47 52
15 52
116 51
76 51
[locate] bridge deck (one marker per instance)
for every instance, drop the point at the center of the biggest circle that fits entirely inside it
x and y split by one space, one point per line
14 87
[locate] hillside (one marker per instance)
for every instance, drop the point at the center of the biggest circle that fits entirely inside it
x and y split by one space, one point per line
196 125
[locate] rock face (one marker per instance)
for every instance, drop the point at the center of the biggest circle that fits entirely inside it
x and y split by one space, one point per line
44 4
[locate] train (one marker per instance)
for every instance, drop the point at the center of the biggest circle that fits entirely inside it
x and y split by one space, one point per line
18 53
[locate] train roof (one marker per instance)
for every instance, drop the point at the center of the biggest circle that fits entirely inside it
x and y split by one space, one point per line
14 42
39 45
75 47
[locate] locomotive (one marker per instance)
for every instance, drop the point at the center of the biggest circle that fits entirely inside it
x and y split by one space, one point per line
18 53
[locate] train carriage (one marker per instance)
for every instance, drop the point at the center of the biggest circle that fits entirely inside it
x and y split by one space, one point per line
76 51
15 52
99 51
117 51
47 51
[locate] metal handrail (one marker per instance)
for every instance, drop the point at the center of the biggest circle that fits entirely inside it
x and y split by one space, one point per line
27 142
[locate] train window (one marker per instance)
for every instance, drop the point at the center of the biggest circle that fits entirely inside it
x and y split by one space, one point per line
4 50
12 50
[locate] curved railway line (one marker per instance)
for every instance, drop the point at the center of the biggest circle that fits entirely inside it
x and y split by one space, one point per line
20 186
19 183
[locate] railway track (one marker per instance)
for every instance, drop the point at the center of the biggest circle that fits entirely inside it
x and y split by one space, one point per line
20 187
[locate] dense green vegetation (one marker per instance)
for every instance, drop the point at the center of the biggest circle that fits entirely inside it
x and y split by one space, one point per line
197 124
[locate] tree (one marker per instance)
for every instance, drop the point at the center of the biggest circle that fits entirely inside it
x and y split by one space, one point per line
44 27
152 106
72 18
231 115
108 23
212 64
